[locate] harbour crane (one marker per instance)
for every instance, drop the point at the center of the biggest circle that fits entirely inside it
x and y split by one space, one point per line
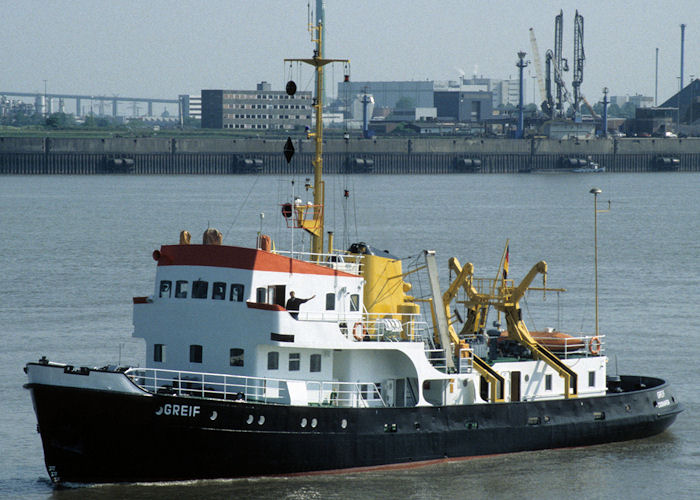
560 63
579 59
538 66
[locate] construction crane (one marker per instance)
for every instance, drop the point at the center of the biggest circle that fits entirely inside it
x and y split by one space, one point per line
538 66
579 59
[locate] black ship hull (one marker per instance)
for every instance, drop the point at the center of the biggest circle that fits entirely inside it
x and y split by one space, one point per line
102 436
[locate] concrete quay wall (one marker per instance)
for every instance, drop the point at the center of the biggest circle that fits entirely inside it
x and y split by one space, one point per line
439 155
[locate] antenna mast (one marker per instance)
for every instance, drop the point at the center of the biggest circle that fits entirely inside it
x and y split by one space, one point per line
315 226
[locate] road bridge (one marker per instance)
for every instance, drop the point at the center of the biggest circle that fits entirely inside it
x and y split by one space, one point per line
100 99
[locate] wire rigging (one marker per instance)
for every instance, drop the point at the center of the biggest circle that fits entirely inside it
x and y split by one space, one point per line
240 208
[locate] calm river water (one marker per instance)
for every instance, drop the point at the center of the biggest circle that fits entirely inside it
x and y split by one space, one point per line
76 249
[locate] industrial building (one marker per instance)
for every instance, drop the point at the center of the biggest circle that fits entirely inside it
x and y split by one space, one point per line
387 94
260 109
460 106
191 106
504 92
638 100
686 103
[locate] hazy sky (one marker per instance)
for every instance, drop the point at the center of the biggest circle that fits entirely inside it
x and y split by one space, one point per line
158 48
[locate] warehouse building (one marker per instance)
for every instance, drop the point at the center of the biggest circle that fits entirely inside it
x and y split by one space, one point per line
260 109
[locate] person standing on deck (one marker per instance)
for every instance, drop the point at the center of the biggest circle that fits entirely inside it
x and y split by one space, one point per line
293 304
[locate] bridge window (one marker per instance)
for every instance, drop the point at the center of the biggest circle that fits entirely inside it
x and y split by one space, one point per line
548 382
354 302
159 353
181 289
315 365
218 291
591 379
199 289
294 361
195 353
236 357
165 289
237 292
273 360
330 301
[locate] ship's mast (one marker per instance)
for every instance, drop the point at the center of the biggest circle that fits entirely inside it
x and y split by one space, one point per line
316 225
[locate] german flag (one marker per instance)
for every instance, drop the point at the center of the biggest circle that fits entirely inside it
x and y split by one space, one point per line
505 264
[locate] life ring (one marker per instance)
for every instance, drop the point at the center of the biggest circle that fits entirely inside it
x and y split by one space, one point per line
359 333
594 346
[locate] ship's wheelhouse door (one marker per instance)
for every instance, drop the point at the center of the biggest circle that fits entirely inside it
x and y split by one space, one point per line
276 294
515 386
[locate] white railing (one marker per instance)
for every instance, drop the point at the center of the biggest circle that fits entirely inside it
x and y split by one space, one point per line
563 347
339 261
437 358
373 327
466 360
346 394
257 389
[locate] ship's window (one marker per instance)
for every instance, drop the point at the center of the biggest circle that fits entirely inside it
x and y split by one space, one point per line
378 392
273 360
195 353
276 294
165 288
330 301
236 357
261 295
548 382
363 391
354 302
237 292
159 353
294 361
199 289
591 379
315 365
181 289
218 291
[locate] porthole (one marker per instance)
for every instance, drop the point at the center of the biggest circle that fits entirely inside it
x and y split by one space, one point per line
343 423
250 419
527 378
303 422
261 420
314 423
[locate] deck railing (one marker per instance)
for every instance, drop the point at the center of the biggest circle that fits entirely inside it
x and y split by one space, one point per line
373 327
338 261
257 389
575 345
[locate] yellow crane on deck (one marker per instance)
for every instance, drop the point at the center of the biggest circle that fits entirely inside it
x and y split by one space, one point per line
504 296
